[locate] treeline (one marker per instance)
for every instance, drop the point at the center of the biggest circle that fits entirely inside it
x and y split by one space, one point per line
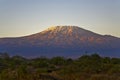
86 67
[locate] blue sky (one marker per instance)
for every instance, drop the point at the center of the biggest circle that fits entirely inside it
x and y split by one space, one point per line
24 17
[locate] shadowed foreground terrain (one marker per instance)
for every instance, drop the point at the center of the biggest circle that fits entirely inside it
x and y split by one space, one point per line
86 67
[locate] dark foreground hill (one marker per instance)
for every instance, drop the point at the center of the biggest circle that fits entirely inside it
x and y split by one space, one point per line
86 67
68 41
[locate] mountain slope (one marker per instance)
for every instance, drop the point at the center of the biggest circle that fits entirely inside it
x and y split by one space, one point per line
62 41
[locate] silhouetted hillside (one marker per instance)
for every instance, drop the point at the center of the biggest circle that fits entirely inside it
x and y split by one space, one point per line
86 67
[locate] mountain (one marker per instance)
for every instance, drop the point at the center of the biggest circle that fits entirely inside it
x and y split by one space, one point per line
67 41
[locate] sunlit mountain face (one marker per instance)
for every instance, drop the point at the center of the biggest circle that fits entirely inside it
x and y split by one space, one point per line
67 41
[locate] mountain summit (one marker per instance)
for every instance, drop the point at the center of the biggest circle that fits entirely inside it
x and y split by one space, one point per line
65 35
68 30
68 41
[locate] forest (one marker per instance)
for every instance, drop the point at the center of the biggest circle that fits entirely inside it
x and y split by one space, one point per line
86 67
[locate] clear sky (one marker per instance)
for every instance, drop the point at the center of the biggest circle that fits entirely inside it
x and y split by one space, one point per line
24 17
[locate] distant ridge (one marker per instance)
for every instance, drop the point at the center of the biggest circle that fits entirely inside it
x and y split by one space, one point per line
68 41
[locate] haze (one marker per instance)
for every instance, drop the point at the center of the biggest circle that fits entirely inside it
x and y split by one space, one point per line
24 17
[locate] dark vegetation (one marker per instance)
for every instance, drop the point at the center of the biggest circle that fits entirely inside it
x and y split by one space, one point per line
86 67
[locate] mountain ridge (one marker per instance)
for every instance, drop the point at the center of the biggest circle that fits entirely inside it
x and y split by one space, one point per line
56 27
61 40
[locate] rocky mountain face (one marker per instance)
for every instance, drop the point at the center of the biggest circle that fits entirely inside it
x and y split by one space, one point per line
68 41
